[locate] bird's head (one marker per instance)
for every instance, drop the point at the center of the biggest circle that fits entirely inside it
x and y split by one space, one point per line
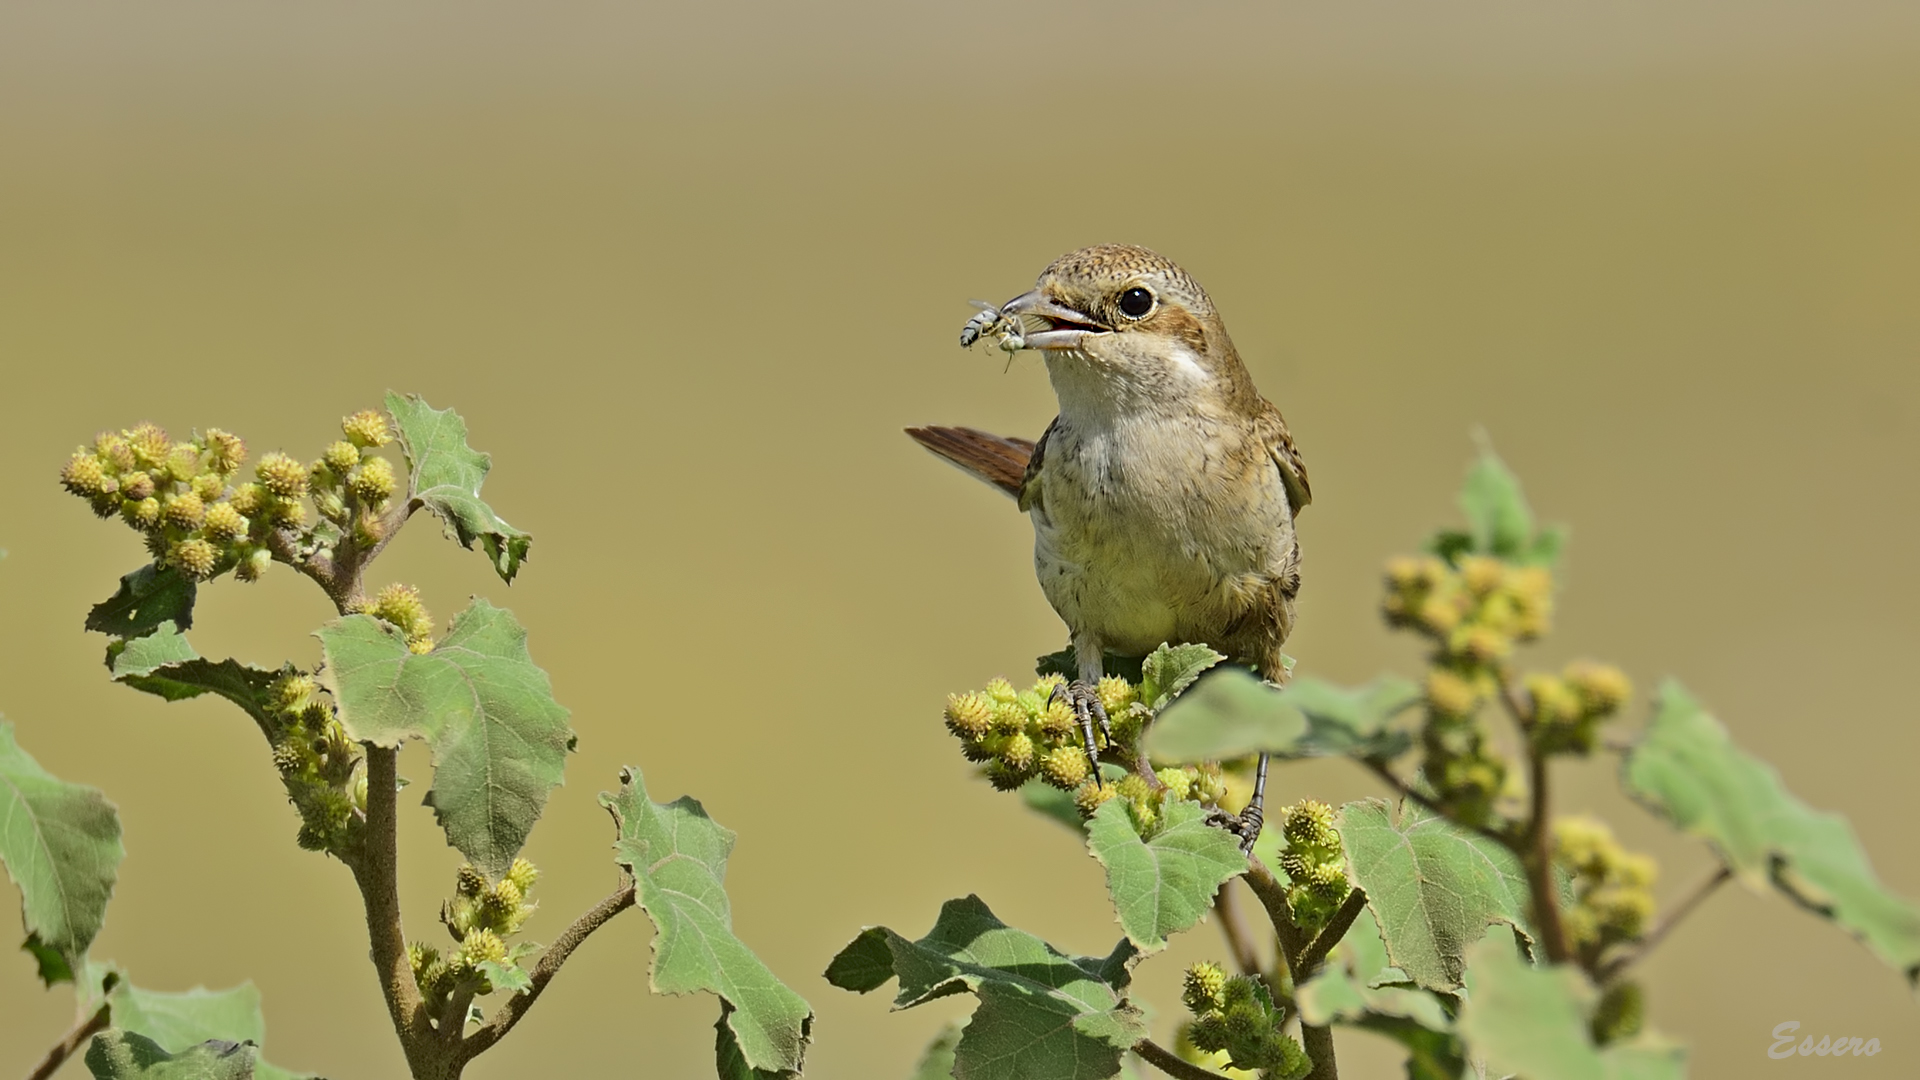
1130 320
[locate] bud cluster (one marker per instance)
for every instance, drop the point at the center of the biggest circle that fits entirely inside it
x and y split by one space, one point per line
1315 866
400 605
1236 1016
1563 712
1612 888
1620 1014
1021 735
1474 611
480 915
318 764
199 515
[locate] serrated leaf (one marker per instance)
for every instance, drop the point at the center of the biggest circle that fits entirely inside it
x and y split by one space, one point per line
1686 768
505 978
61 846
1499 522
936 1062
1042 1014
146 598
1170 669
1066 664
1433 887
115 1054
1358 989
1231 714
164 664
1164 885
1533 1022
179 1021
446 479
499 739
678 858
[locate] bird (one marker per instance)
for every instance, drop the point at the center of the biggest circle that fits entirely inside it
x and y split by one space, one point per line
1164 495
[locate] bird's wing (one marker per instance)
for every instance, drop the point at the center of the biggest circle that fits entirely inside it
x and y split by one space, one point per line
1006 463
1030 477
1279 443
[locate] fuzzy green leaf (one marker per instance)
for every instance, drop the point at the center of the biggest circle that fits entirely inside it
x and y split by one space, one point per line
124 1055
1685 768
936 1062
1042 1014
1231 714
1433 887
499 739
1170 669
180 1021
164 664
447 474
1499 522
61 845
1351 722
1164 885
1533 1022
146 598
678 858
505 978
1358 988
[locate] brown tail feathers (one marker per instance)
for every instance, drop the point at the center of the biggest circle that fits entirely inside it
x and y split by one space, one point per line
999 460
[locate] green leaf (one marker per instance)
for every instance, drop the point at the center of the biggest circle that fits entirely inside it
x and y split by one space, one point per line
1042 1014
146 598
124 1055
678 858
61 845
1433 887
1533 1022
447 474
1499 522
1066 664
164 664
180 1021
499 739
508 978
1231 714
1685 768
1052 803
1358 988
936 1063
1170 669
1164 885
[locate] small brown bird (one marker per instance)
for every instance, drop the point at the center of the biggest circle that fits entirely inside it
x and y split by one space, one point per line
1163 496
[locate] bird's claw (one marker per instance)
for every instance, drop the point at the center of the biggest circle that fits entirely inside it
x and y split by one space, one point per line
1245 825
1084 700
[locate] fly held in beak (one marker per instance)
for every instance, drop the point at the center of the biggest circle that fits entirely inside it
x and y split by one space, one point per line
1061 327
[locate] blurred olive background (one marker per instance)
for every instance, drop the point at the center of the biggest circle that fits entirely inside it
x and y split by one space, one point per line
688 271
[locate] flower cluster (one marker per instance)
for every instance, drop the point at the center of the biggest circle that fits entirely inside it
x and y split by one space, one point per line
198 515
1022 735
1236 1016
1316 868
1612 888
400 605
480 915
318 764
1563 712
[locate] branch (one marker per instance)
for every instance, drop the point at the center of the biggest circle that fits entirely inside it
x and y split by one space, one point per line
376 870
1171 1063
1318 1042
1245 957
1315 953
62 1050
1705 889
507 1015
1536 855
1273 897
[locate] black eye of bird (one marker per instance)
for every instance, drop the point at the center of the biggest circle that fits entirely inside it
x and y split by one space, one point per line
1136 302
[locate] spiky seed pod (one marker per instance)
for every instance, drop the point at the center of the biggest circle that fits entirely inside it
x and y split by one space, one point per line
1179 781
482 945
1201 990
1001 692
1482 575
225 451
1009 717
250 499
209 486
978 750
183 463
420 956
224 523
1620 1014
1056 722
401 605
150 445
287 758
195 557
282 475
1604 686
523 874
290 513
1018 752
1134 788
113 451
1090 795
1044 688
501 906
1065 767
1554 701
1450 695
183 511
1209 1033
137 485
368 531
1482 644
86 477
968 715
1437 615
1116 694
1328 881
141 513
293 691
253 563
366 428
1309 824
1296 866
1005 777
341 457
1404 573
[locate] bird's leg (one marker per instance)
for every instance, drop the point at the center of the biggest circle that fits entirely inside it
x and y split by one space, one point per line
1247 823
1083 696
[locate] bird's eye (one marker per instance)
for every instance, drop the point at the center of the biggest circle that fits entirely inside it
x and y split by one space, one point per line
1136 302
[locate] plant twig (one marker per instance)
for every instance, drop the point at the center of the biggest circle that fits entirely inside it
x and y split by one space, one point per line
1614 967
1536 855
1245 957
71 1041
376 870
507 1015
1171 1063
1316 952
1273 897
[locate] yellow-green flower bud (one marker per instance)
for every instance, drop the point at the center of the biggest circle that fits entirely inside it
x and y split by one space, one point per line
1009 717
401 605
141 513
84 476
1090 795
1482 575
225 452
1554 702
249 499
282 475
1203 988
113 451
1001 692
1018 752
183 511
366 428
1178 780
293 691
1604 686
968 715
224 523
1056 721
137 485
482 945
330 504
1065 767
195 557
253 563
1134 788
523 874
1044 689
469 881
502 904
1116 695
1483 644
1005 777
209 486
1620 1014
183 463
150 446
1328 881
341 457
288 513
1450 695
1309 824
1438 614
368 531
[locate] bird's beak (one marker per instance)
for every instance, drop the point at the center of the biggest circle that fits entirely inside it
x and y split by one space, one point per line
1061 327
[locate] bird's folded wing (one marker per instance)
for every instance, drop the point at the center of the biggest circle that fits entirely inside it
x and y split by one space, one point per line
1279 442
999 460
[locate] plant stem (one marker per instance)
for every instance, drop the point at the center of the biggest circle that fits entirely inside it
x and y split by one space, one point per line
1297 951
1536 855
1245 957
1273 897
71 1041
1171 1063
376 870
1614 967
502 1021
1315 953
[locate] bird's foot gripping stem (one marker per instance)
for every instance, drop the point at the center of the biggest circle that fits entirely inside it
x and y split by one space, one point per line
1247 823
1084 700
